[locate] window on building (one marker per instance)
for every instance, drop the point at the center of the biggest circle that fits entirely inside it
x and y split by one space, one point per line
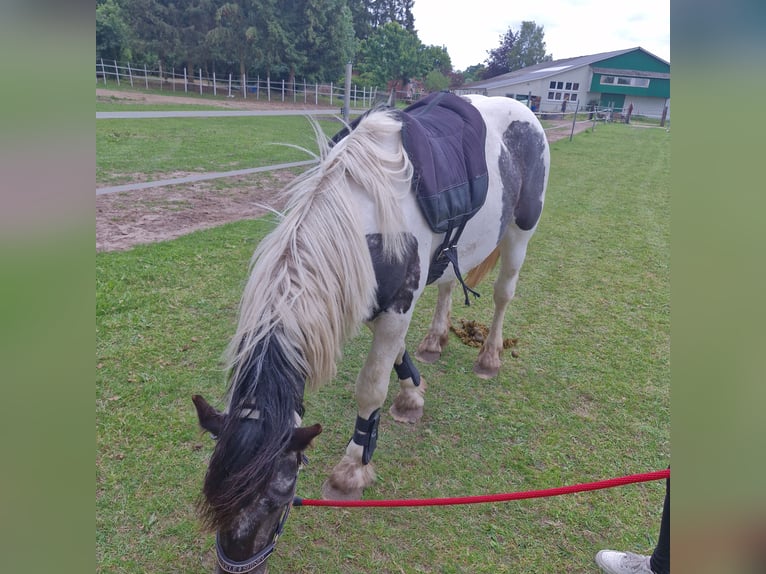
625 81
560 91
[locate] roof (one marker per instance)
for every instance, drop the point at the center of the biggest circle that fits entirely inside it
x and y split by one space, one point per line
545 69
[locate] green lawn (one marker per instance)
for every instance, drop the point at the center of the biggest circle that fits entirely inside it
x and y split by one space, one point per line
146 149
588 397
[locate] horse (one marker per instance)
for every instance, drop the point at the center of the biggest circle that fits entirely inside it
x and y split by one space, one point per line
355 245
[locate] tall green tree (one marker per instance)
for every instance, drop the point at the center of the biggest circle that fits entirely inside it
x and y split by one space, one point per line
155 33
113 33
369 15
436 58
324 37
390 57
528 48
497 62
235 33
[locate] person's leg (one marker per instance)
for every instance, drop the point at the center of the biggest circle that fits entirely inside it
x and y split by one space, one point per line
660 561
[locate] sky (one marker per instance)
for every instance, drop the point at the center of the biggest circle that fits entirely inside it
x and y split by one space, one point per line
571 27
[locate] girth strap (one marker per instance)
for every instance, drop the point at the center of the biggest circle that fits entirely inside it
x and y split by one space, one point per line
446 254
366 434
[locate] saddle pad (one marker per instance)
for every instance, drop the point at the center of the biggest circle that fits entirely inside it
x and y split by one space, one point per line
444 135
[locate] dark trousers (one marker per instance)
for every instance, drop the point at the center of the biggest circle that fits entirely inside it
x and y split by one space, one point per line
660 560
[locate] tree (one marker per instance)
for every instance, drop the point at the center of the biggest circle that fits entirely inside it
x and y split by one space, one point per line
246 31
528 48
517 50
474 73
113 34
436 58
497 62
153 25
325 37
369 15
390 56
436 81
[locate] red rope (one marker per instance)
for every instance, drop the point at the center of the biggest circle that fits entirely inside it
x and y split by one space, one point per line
610 483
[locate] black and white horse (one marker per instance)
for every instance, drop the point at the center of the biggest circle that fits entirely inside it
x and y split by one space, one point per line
362 235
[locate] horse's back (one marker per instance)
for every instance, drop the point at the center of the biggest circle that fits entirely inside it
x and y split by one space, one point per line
518 159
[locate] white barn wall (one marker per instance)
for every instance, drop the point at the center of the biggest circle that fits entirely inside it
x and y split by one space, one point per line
581 75
644 106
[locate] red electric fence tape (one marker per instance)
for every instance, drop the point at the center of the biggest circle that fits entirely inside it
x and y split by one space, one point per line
610 483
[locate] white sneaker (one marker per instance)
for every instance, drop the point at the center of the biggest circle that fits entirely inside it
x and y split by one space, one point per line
614 562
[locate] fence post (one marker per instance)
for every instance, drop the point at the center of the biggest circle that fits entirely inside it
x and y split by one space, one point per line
268 88
130 75
229 94
117 72
215 91
305 90
146 78
200 81
574 120
244 86
186 82
173 77
347 93
283 90
103 72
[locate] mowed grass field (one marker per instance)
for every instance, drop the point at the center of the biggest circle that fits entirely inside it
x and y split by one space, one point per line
587 398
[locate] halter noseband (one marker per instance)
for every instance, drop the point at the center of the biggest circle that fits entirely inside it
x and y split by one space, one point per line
233 567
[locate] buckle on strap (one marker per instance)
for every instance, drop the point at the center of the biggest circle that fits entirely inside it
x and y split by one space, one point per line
366 434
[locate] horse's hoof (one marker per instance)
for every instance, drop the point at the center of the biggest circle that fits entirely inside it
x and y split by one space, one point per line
329 492
409 416
428 357
484 372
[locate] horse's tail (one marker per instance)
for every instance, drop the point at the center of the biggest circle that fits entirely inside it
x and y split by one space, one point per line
475 275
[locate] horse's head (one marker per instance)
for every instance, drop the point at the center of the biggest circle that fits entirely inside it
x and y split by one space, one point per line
248 506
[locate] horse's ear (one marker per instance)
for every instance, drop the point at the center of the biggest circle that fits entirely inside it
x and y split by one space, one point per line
302 437
209 419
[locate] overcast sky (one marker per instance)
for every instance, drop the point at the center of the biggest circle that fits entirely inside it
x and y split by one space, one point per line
572 27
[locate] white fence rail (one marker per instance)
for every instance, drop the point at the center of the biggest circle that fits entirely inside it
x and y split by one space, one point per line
111 72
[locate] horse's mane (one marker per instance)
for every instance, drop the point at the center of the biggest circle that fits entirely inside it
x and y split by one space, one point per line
311 285
311 276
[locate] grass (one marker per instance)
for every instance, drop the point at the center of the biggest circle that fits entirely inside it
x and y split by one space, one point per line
587 398
118 105
154 148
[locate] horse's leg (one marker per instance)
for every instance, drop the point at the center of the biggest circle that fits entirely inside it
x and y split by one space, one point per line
512 254
408 404
432 345
355 472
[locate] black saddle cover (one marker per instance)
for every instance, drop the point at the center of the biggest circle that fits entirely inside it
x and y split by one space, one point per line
444 135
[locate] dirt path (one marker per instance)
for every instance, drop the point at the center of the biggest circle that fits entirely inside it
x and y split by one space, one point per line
127 219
